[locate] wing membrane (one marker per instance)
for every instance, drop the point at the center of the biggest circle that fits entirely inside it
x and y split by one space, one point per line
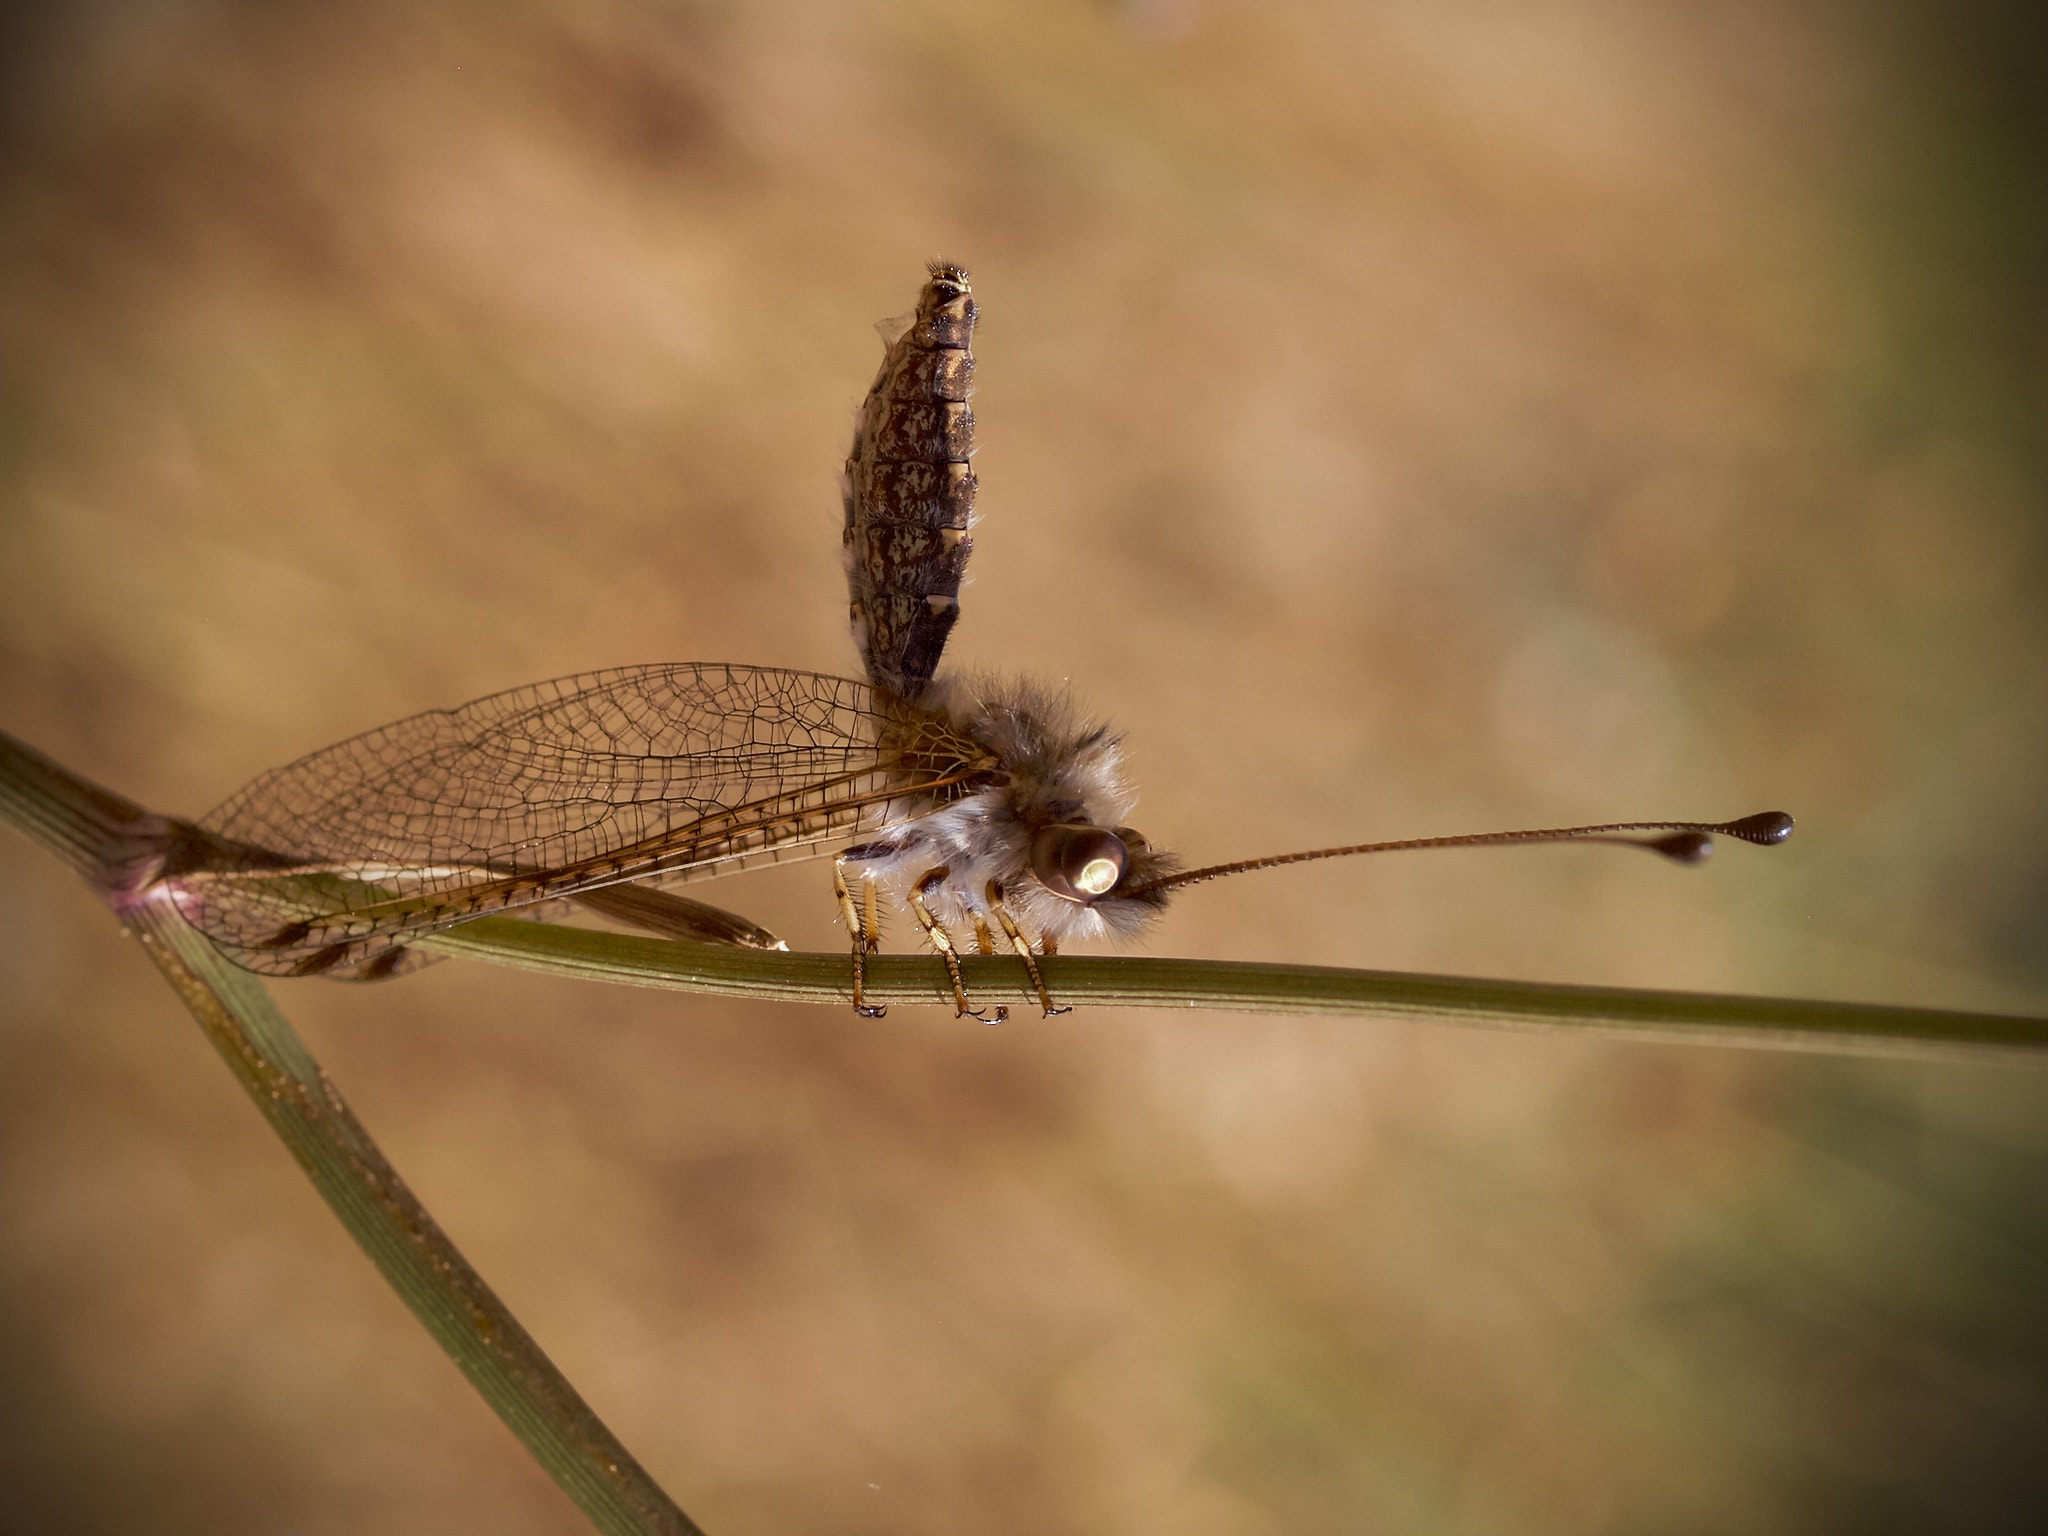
675 771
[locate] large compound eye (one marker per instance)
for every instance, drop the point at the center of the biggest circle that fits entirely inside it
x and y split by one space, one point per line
1078 863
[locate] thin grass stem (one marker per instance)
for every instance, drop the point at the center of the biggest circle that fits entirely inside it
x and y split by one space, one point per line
98 834
1238 987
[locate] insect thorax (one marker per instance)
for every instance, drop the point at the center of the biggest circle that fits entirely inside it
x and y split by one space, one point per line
1037 762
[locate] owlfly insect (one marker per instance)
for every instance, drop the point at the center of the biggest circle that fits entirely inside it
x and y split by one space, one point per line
986 806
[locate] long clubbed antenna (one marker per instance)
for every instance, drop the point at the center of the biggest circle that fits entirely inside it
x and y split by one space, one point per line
1687 842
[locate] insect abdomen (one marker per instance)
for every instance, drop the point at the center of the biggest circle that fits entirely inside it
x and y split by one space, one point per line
910 490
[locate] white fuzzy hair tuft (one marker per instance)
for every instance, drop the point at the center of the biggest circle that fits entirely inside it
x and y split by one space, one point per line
1058 766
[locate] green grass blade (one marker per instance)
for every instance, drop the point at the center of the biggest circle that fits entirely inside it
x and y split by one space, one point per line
107 840
1144 982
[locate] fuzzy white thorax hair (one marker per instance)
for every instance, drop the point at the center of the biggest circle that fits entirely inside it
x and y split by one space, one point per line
1057 767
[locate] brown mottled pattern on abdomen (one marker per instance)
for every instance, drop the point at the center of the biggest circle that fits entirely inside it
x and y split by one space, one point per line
910 492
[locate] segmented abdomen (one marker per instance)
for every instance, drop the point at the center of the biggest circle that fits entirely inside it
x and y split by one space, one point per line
910 490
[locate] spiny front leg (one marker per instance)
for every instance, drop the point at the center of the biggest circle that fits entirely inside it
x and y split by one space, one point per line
942 941
1023 947
866 931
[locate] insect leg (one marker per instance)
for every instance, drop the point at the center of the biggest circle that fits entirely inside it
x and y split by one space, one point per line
675 917
942 941
871 920
1023 947
866 937
984 941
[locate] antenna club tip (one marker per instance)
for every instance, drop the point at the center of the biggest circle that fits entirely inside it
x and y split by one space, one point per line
1766 829
1685 847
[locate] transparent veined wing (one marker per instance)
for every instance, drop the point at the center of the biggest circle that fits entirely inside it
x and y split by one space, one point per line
669 771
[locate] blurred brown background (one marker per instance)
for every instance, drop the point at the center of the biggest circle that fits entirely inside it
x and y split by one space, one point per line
1401 418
